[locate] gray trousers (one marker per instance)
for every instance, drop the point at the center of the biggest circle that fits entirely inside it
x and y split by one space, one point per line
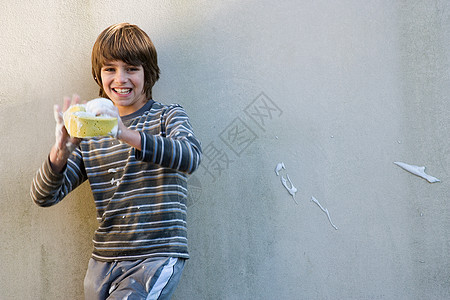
152 278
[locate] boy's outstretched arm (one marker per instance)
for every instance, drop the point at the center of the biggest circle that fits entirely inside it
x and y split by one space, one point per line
58 175
129 136
177 149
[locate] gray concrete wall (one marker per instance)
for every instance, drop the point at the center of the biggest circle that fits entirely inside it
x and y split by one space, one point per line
337 90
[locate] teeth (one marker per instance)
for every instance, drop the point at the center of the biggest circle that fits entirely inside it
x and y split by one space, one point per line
122 91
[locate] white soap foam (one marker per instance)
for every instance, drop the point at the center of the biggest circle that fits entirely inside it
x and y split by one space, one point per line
292 189
324 210
279 167
100 105
83 114
114 131
417 170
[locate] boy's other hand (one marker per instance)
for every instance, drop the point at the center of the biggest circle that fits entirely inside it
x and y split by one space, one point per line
64 143
125 134
113 112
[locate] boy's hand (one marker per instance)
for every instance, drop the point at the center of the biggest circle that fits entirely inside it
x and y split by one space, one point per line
124 134
64 144
113 112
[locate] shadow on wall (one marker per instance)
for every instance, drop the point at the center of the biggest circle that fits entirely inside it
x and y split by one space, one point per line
230 237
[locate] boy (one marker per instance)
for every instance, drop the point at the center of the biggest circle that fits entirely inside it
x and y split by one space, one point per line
138 178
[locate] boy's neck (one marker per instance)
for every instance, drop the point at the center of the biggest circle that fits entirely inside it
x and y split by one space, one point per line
147 106
128 110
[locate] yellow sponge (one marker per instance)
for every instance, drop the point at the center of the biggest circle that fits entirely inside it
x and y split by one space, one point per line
82 124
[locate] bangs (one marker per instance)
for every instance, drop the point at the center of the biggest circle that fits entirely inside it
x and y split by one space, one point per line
123 45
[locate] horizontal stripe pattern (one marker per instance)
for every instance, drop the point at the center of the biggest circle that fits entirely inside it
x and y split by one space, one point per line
140 196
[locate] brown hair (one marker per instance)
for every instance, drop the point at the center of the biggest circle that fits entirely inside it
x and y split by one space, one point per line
130 44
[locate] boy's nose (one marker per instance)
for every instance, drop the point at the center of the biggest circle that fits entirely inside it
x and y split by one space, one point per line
121 77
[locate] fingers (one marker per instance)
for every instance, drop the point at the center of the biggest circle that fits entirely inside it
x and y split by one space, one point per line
112 112
71 101
57 114
66 103
75 99
61 135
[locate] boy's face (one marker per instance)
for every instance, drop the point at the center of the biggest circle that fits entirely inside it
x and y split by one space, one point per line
124 85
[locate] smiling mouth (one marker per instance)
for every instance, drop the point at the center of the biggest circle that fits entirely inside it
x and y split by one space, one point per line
122 91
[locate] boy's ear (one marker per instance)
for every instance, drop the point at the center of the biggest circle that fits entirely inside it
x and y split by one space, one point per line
97 80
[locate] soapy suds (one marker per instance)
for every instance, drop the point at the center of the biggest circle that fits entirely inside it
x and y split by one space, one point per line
289 187
94 109
114 170
59 123
324 210
79 123
292 189
100 108
416 170
279 167
115 181
114 131
84 114
70 146
99 105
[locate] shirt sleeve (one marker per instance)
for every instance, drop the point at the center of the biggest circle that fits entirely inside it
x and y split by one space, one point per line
179 149
49 188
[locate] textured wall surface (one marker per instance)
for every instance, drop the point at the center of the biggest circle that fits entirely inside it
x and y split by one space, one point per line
336 90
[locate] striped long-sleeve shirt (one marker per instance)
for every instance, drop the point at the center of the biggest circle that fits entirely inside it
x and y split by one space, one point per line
140 196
